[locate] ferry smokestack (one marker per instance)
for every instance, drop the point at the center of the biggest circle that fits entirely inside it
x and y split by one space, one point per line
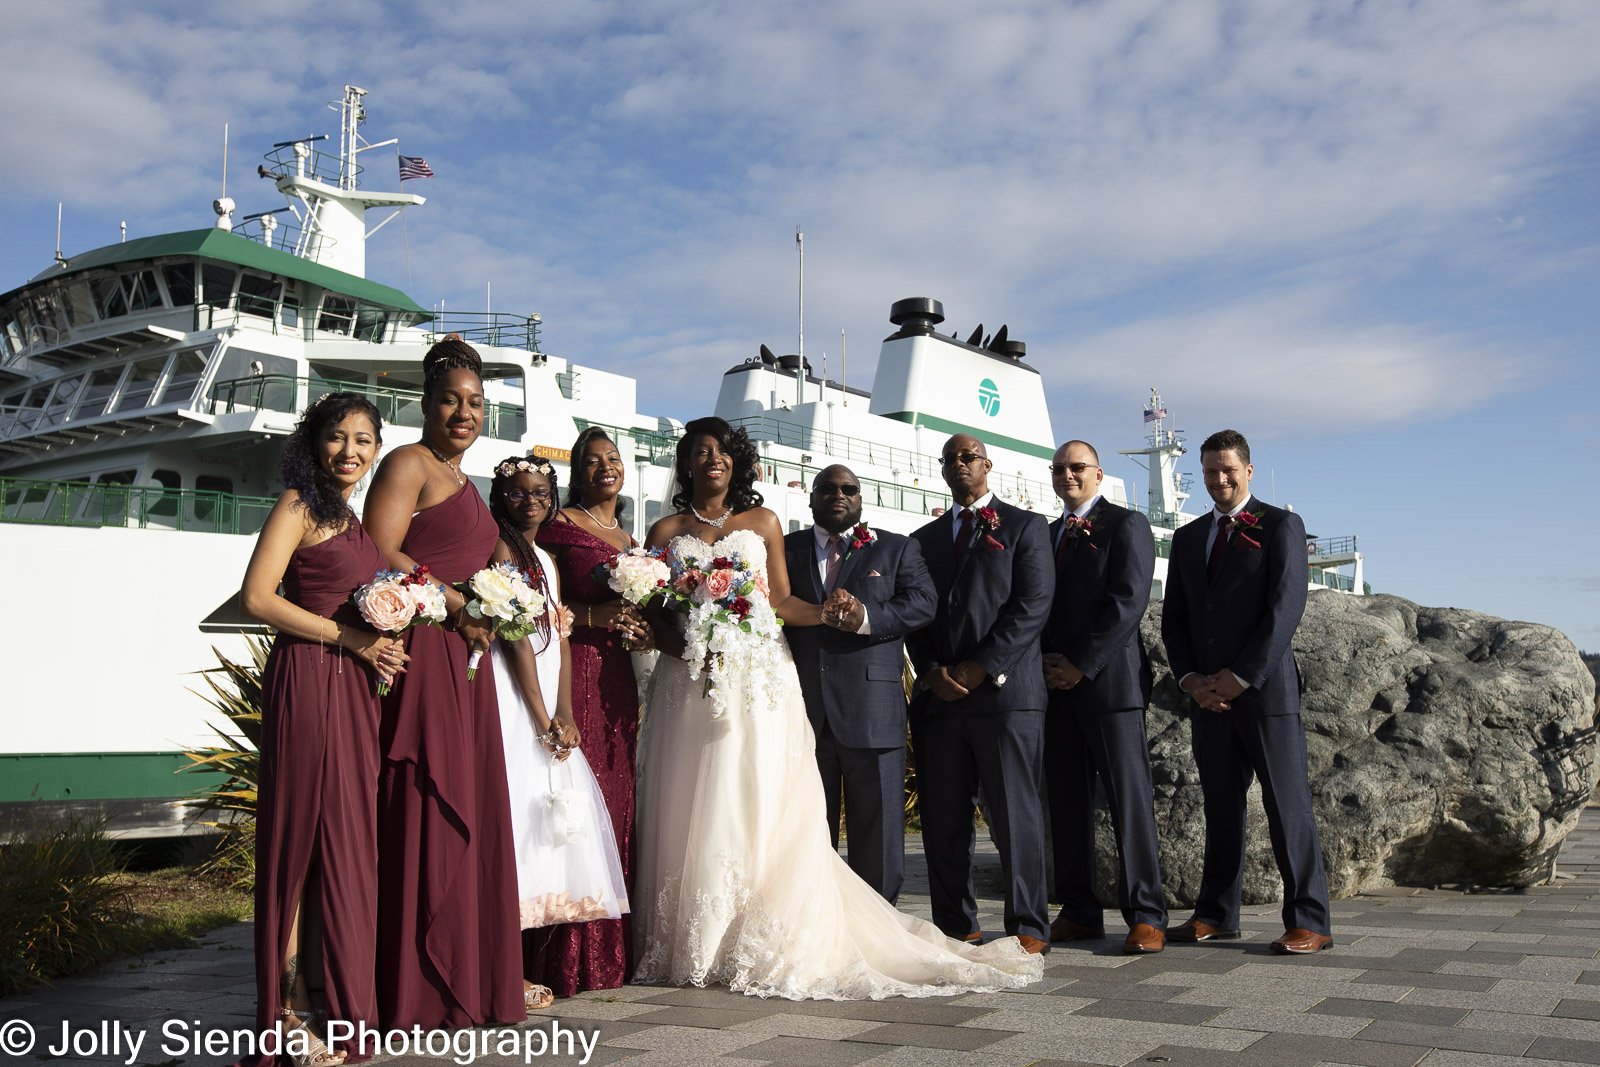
916 314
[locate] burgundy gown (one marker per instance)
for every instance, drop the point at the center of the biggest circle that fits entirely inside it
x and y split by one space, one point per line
318 781
448 948
605 707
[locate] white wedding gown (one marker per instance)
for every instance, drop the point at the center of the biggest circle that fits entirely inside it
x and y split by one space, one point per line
737 882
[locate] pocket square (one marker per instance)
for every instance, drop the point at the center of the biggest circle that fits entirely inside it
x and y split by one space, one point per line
874 574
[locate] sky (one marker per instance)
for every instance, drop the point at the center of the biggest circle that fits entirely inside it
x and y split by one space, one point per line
1366 234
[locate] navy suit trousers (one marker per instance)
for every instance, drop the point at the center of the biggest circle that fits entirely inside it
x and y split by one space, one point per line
1000 752
872 784
1229 751
1080 746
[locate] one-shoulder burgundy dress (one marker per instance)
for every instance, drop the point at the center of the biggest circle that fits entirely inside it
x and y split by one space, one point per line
317 788
449 939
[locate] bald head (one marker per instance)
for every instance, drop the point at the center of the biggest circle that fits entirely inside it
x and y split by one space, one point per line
836 498
965 462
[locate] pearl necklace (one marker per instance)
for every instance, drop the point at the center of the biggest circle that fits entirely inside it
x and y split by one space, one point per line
717 523
454 471
614 522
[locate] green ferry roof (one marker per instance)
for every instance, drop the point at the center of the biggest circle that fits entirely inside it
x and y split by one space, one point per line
213 243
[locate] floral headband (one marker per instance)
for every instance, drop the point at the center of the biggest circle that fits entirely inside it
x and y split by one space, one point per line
511 468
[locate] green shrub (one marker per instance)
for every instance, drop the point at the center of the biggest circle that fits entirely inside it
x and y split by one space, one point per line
235 691
62 908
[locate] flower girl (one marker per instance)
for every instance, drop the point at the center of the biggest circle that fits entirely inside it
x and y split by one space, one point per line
568 869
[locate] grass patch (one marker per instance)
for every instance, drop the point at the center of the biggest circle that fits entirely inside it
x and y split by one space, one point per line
176 905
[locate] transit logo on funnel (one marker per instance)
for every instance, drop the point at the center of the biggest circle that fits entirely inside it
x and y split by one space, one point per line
989 397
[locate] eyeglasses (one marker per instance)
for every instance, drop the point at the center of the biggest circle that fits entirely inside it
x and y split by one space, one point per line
830 489
966 459
1075 468
517 496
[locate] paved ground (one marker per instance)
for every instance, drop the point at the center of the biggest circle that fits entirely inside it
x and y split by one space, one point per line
1438 978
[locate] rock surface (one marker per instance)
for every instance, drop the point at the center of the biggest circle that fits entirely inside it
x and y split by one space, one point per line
1445 747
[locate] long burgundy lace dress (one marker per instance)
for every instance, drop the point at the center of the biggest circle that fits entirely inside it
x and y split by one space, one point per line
448 948
319 777
605 706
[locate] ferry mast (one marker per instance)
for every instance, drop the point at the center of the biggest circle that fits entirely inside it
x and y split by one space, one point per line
1167 489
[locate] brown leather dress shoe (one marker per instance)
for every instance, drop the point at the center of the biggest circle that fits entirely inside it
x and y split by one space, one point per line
1144 939
1200 930
1033 945
1064 929
1298 942
974 937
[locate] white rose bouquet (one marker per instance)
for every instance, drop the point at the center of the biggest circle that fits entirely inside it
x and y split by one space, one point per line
502 596
637 575
393 602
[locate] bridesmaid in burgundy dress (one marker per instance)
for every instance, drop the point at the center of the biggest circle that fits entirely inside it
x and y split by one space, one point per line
448 946
605 702
316 827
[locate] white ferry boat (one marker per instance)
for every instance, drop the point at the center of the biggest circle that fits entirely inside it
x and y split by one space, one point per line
145 389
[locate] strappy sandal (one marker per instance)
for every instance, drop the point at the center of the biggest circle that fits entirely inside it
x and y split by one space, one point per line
317 1053
537 998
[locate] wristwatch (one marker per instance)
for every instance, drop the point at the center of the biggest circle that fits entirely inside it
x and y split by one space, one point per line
1000 679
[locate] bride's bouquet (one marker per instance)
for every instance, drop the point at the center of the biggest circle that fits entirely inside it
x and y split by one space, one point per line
393 602
730 623
501 595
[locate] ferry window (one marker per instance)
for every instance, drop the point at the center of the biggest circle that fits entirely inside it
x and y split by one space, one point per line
142 378
338 314
205 508
184 377
164 505
180 283
78 303
370 322
48 314
61 401
142 290
98 391
116 478
291 310
107 289
258 294
216 285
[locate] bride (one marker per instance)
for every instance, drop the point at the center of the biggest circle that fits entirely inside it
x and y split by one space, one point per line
737 881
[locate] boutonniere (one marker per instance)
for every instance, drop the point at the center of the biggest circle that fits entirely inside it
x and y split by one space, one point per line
1244 522
860 537
988 521
1080 528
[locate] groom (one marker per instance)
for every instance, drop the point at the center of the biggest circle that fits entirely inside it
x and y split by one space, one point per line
874 589
977 720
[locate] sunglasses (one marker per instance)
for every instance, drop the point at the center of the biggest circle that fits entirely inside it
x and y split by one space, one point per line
1075 468
966 459
842 490
517 496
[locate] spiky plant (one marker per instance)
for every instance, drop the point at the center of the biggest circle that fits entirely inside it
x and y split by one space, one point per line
235 692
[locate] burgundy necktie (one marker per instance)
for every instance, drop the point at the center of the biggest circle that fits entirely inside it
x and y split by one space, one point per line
1064 544
1219 547
830 577
964 536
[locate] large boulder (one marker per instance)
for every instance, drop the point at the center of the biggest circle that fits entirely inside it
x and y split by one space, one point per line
1446 747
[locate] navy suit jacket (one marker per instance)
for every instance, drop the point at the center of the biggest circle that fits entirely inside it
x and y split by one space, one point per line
1102 588
990 610
1246 619
855 680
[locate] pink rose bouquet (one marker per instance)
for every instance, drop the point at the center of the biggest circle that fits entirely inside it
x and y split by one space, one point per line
394 601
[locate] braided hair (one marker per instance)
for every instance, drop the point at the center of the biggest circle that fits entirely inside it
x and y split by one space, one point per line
742 495
450 353
521 549
300 466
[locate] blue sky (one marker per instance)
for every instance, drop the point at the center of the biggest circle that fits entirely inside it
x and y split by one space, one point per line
1366 234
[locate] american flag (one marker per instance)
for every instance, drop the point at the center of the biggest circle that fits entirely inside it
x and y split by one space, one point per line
1152 414
414 167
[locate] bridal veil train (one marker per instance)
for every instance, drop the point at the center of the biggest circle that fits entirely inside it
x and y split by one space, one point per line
737 881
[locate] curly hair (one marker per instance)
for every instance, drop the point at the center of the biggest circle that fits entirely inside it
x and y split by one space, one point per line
447 355
300 465
515 539
742 495
589 434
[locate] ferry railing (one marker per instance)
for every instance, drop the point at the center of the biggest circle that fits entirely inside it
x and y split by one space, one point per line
915 464
98 504
1332 546
487 328
399 407
651 444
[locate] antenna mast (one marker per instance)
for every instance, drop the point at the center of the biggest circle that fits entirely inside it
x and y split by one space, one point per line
800 369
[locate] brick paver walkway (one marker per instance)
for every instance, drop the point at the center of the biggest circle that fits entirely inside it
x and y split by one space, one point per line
1432 977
